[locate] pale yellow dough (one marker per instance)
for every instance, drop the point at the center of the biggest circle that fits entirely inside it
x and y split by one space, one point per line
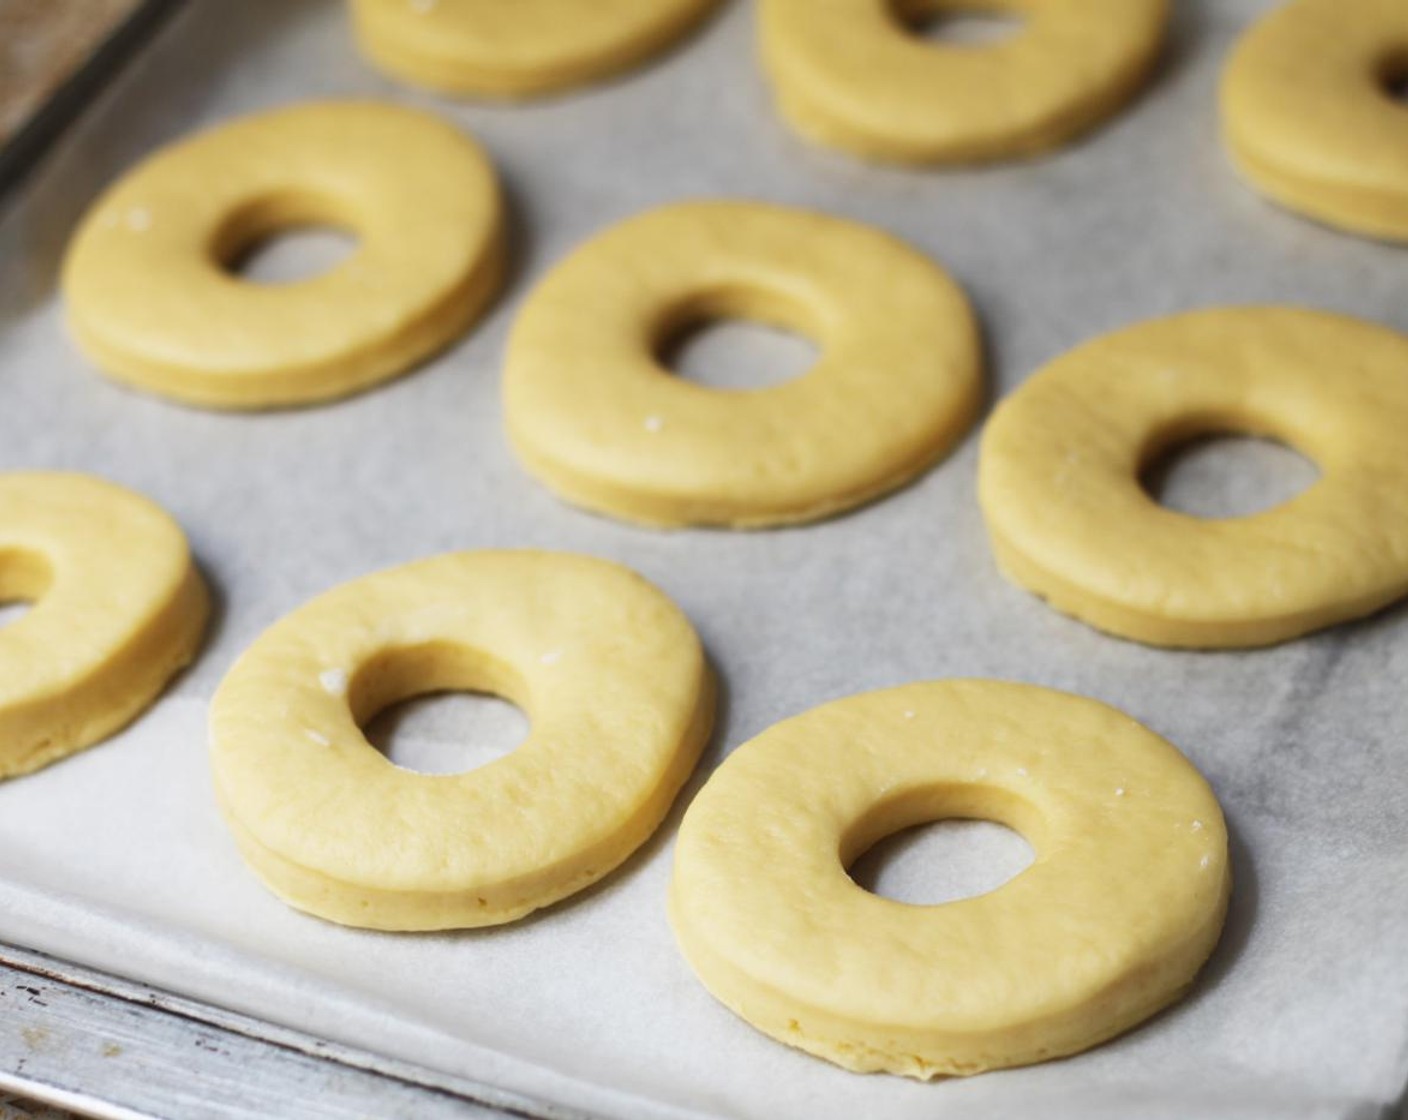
849 74
152 303
518 48
117 608
1308 117
1123 904
607 668
593 413
1061 461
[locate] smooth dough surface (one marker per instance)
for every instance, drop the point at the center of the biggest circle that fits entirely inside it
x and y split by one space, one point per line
1122 906
607 668
152 302
593 413
1308 115
117 607
1059 480
850 74
517 49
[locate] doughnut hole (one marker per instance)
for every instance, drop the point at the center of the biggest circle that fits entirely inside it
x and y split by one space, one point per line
941 846
736 341
285 239
1220 474
1393 76
439 708
957 23
24 578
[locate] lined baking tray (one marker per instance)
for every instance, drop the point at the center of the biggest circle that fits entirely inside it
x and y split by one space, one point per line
116 859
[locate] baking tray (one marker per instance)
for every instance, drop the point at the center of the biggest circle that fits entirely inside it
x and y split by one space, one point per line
115 861
101 1046
77 62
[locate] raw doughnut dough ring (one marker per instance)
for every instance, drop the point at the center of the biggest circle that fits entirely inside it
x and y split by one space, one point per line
1123 904
151 303
593 414
118 608
1308 117
1061 460
517 49
610 671
849 74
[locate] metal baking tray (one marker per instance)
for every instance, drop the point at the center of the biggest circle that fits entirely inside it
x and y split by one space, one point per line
194 994
70 80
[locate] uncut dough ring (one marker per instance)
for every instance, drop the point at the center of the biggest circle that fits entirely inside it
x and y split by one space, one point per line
593 413
118 608
1308 117
609 670
150 300
1122 906
1061 460
849 74
517 49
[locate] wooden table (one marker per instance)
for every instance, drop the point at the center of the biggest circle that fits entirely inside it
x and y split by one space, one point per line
44 43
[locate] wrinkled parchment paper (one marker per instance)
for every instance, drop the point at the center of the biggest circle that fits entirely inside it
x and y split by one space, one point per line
117 859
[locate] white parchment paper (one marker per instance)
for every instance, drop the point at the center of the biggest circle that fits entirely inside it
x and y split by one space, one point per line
117 859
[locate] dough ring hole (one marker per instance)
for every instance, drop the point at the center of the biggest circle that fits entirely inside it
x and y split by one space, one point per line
943 861
284 240
24 578
438 709
12 611
1217 475
736 341
1393 76
939 847
949 24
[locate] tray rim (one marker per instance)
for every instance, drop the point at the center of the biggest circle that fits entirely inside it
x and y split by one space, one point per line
66 1004
27 147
